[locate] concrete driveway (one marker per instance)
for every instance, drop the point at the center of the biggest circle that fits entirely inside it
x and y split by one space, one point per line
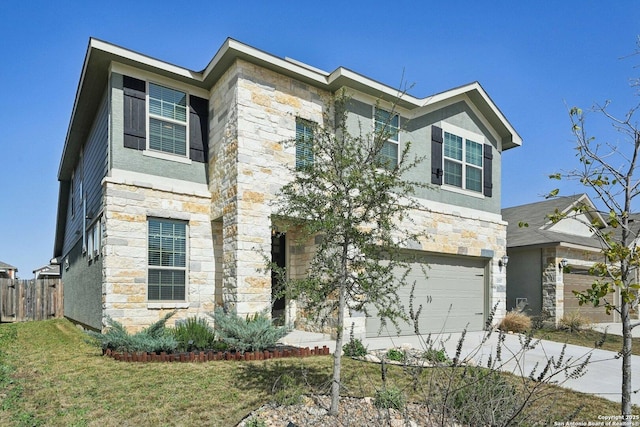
602 376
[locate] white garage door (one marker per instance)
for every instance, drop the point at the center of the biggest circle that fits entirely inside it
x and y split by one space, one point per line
451 290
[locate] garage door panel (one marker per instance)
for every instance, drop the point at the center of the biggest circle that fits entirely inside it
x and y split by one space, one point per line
452 293
580 282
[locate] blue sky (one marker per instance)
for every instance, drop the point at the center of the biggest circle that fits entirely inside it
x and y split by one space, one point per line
531 57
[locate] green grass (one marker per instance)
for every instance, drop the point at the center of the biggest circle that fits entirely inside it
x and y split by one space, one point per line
587 338
50 376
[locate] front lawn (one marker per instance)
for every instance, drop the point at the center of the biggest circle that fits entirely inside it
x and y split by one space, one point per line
587 338
50 376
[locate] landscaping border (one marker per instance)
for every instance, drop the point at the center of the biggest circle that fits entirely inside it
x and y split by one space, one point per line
206 356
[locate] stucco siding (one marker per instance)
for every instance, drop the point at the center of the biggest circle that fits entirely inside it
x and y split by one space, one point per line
416 129
524 273
83 289
136 160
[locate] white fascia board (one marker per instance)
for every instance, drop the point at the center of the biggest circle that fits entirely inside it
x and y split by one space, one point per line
144 59
593 212
237 49
74 108
378 87
117 67
579 247
476 87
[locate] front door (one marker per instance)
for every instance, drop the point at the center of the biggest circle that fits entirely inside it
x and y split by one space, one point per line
277 298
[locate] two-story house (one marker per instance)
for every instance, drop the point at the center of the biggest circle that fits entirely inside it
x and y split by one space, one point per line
167 178
7 271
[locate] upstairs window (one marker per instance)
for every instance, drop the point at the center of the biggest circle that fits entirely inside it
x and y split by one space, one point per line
167 120
462 162
304 143
167 259
388 124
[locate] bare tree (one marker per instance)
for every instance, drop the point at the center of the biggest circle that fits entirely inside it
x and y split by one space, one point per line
608 169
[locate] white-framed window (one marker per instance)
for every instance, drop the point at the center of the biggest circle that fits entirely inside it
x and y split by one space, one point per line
94 240
463 158
167 112
385 121
167 260
304 143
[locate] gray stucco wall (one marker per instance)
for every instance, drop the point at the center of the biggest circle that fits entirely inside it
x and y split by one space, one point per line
134 160
83 288
418 132
524 279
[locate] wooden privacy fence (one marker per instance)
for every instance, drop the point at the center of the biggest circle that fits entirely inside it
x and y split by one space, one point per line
22 300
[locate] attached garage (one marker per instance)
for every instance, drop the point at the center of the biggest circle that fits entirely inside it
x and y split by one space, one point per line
580 280
453 292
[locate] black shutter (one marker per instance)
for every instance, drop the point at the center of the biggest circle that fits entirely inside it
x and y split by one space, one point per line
135 113
488 170
198 129
436 155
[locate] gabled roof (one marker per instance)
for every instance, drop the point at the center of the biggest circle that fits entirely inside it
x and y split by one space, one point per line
100 54
5 266
540 230
49 270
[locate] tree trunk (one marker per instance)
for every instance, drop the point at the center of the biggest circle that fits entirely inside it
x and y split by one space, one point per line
626 360
337 354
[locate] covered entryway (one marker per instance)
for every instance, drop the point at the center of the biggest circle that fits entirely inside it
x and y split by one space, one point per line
579 280
452 291
278 258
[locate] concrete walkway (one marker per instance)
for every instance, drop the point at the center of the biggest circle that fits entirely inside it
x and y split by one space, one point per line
602 376
616 328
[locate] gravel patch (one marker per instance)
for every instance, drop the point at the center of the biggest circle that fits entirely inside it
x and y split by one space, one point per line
355 412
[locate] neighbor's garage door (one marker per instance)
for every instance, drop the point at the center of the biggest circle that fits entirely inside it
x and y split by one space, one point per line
452 292
579 281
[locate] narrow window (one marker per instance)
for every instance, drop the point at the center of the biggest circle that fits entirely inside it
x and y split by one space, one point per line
167 253
167 120
304 143
388 126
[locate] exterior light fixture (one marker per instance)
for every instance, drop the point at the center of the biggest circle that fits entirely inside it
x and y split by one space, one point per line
502 262
564 262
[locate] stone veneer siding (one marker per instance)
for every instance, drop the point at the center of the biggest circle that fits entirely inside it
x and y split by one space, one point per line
253 111
127 207
553 276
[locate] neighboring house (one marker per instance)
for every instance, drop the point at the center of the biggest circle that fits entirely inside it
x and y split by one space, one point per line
7 271
548 261
51 271
167 178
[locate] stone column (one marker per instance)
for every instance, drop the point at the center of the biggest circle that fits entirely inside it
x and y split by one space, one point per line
552 286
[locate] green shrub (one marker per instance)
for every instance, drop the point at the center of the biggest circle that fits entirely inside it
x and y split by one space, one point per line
254 333
390 398
255 422
153 339
396 355
436 356
286 391
194 334
354 348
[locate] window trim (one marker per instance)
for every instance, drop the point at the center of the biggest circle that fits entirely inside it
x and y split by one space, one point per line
391 113
159 153
162 303
302 163
466 135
